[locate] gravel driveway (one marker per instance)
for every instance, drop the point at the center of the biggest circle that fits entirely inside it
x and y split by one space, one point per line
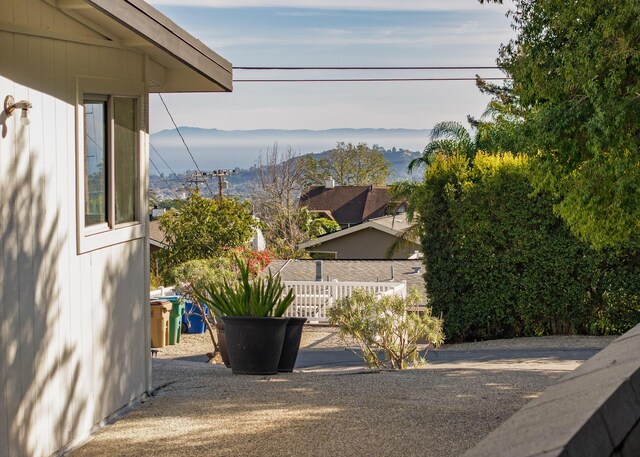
441 410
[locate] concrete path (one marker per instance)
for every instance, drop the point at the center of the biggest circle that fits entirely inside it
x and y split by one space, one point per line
530 359
331 406
323 360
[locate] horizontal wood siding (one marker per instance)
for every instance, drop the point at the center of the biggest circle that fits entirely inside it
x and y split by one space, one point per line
365 244
72 327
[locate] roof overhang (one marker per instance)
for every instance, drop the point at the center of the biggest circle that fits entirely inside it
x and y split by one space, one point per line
157 244
349 231
323 213
178 62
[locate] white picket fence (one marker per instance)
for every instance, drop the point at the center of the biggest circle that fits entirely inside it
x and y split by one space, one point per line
161 292
314 298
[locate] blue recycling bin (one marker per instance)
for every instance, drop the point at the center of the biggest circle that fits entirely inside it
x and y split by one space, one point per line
192 318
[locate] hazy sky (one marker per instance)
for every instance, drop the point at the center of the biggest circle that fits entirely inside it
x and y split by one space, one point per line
337 33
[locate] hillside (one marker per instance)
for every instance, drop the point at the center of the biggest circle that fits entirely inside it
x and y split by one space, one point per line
215 149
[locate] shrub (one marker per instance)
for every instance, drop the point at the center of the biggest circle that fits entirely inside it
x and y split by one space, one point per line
387 323
616 291
258 260
499 263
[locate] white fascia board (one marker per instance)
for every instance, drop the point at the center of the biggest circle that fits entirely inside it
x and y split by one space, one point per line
348 231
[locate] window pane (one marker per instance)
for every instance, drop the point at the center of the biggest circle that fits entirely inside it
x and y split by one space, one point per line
126 158
95 160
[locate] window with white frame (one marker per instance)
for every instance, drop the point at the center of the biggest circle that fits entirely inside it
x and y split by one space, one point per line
110 191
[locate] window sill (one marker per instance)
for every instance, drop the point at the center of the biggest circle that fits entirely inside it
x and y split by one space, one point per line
91 242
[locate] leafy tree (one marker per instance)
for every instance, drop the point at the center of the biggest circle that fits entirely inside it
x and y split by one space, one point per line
500 128
576 79
312 172
204 228
348 165
321 226
175 203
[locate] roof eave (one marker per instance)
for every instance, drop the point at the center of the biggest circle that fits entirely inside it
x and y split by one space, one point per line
154 27
349 231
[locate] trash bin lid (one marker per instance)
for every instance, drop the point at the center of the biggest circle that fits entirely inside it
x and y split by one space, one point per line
165 304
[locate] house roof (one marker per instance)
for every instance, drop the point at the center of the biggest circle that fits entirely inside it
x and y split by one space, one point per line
348 204
393 225
397 222
351 270
178 62
156 235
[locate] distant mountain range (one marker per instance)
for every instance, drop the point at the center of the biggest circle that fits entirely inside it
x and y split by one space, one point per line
214 149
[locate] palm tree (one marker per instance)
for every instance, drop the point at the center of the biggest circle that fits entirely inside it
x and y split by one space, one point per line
447 138
404 191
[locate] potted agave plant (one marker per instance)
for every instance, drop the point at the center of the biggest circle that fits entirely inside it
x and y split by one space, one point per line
251 310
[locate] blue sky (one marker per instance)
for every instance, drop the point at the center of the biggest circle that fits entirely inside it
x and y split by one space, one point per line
337 33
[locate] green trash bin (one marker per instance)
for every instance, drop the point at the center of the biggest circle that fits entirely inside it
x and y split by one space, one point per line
175 318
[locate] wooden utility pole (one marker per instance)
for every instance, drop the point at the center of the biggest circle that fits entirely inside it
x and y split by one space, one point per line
221 175
197 178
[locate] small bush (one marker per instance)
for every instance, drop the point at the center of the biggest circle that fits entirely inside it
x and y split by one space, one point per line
388 324
192 275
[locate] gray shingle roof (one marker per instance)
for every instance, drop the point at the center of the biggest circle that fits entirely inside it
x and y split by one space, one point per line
351 270
156 235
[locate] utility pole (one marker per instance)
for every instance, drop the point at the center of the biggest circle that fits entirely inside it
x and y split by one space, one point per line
222 175
197 178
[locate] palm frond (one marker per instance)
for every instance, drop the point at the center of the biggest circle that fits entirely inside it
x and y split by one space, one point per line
450 130
405 238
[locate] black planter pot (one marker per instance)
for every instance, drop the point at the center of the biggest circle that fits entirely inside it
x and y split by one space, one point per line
254 343
222 344
291 344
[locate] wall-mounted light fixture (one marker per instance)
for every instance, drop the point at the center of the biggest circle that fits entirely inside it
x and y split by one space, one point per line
10 106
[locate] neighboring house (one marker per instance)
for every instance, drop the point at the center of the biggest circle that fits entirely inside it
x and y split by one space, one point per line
349 205
369 240
351 270
74 245
156 236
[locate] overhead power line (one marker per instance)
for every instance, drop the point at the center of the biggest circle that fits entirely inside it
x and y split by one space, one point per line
165 181
330 80
459 67
183 141
367 79
179 181
165 162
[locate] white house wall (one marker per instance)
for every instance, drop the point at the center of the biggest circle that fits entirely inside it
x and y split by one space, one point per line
73 328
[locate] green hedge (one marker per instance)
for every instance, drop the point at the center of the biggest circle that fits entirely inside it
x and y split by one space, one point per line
500 264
